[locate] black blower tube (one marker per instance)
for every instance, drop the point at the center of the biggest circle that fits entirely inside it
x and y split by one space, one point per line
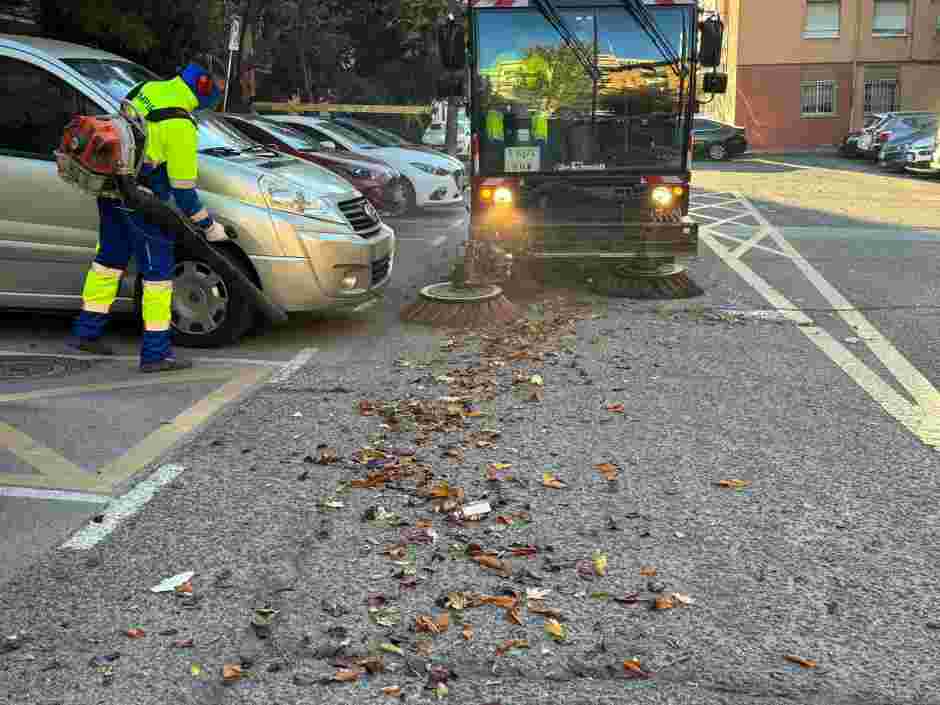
159 213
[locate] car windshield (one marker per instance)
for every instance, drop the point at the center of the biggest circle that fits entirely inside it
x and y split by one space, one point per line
374 134
356 140
288 135
216 136
538 109
115 77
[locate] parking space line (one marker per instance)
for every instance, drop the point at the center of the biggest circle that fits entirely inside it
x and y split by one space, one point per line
54 495
164 438
794 166
745 245
54 471
908 376
698 206
135 358
438 241
288 370
910 416
176 378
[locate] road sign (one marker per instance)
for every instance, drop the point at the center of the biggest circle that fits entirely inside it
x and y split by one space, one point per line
234 36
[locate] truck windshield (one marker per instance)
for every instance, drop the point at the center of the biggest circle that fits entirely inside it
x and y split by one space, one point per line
538 109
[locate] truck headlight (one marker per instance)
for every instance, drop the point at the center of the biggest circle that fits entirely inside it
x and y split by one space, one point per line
280 195
662 196
502 196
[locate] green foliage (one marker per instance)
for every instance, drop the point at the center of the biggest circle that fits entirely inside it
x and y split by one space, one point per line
553 78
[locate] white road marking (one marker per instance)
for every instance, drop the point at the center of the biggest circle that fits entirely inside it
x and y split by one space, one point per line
917 385
298 361
892 402
121 508
438 241
60 495
745 245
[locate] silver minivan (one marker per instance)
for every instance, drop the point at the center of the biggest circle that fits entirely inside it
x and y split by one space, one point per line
303 233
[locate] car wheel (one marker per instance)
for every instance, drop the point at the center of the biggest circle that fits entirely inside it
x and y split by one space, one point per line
411 197
208 309
717 152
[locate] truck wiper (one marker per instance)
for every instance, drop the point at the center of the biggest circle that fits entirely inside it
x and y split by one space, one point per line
637 10
557 21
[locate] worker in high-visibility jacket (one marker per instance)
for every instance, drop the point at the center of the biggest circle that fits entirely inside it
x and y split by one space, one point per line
170 169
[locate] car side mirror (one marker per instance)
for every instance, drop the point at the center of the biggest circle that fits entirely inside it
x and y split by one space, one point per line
715 83
712 38
328 146
452 45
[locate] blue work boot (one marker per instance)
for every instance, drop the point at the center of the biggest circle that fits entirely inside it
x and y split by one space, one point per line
87 331
156 354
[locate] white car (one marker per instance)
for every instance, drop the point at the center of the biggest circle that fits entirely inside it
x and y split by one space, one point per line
430 179
436 136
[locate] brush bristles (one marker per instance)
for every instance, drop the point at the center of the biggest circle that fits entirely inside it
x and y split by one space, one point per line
460 315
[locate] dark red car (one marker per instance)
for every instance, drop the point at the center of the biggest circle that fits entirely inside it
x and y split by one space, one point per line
375 179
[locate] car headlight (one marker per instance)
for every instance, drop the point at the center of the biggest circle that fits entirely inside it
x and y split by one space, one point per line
662 196
428 169
284 196
361 173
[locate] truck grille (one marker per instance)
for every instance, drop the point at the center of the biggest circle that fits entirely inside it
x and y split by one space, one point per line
359 217
380 269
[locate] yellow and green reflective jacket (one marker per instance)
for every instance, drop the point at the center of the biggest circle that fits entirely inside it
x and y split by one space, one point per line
173 142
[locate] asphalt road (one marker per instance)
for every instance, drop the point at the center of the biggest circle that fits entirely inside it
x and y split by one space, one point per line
806 368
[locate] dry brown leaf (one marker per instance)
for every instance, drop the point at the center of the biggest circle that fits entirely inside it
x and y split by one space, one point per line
734 484
426 624
615 408
423 524
504 601
467 631
231 672
804 662
608 470
512 644
135 633
555 629
488 561
664 602
424 647
648 571
443 622
346 675
514 616
393 691
632 664
373 664
550 481
184 588
537 395
397 553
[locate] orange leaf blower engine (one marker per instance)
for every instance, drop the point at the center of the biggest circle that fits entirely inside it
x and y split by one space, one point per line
97 149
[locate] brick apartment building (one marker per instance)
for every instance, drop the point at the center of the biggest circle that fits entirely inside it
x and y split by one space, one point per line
802 73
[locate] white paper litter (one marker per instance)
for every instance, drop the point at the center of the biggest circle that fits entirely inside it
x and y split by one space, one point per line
170 584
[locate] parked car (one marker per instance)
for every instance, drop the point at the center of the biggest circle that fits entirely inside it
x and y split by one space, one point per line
849 145
377 181
381 136
431 178
893 154
297 228
717 140
920 156
891 125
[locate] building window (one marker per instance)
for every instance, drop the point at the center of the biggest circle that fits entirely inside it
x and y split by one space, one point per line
822 19
881 96
818 98
890 18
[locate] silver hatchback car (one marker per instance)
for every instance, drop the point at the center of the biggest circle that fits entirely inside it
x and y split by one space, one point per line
303 233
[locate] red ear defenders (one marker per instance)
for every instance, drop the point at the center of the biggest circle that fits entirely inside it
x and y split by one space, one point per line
204 86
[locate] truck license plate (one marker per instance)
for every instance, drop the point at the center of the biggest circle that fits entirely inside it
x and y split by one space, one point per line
522 159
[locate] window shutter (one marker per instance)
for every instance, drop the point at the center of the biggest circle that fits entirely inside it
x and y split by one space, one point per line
822 18
890 17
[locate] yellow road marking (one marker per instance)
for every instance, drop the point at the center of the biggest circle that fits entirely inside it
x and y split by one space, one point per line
175 378
55 471
161 440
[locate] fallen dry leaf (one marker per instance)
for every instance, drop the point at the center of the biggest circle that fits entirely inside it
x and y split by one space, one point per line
664 602
600 563
504 601
426 624
492 562
510 644
183 643
443 622
514 616
423 524
538 607
537 395
372 664
682 599
231 672
555 629
648 571
537 593
615 408
346 675
734 484
424 647
608 470
549 480
393 691
467 631
184 588
804 662
135 633
326 455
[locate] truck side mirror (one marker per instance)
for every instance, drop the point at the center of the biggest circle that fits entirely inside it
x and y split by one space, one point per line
709 51
715 83
451 43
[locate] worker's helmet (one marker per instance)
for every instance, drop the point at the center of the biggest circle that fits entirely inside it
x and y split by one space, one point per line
203 86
